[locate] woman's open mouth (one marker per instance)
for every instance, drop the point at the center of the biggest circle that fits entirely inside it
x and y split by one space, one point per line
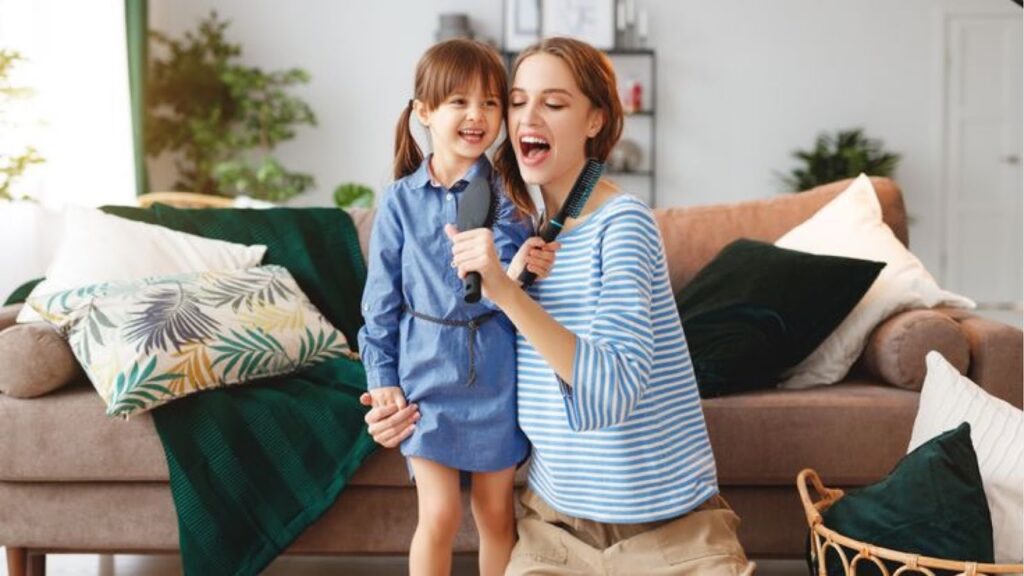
534 149
472 135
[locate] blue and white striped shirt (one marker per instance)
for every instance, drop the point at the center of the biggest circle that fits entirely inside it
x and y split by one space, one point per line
627 442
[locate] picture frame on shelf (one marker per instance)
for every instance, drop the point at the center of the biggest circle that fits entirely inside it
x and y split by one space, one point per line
522 24
592 21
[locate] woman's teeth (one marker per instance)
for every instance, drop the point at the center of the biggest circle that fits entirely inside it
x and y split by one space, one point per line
532 145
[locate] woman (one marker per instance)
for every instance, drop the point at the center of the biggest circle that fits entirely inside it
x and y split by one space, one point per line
622 477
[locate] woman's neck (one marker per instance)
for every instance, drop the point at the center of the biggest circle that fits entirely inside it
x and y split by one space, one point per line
556 191
448 168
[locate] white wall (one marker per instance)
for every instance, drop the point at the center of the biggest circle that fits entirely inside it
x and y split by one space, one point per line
741 84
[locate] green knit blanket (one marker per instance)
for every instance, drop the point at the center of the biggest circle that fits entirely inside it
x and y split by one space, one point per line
252 466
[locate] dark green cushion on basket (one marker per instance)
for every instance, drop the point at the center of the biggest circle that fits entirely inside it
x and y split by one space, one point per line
932 504
322 254
757 309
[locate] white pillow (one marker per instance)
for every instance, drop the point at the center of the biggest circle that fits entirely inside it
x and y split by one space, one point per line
98 247
997 432
851 225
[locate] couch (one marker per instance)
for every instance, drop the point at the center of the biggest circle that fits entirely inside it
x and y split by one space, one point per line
72 480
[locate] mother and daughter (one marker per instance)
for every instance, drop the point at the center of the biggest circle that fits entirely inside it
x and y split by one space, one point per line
589 366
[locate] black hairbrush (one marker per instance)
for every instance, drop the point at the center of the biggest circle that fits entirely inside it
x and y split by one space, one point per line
571 208
476 209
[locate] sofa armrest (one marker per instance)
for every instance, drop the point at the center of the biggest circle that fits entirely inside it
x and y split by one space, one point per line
8 315
997 355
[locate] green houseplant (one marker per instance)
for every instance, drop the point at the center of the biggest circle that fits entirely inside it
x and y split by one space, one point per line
352 194
12 166
844 154
223 119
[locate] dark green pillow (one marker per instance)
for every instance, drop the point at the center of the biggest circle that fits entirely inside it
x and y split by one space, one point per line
757 309
319 246
932 504
21 293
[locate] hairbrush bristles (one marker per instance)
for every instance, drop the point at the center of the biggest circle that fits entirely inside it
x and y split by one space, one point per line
571 208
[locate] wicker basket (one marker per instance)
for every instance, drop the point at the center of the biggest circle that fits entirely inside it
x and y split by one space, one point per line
824 540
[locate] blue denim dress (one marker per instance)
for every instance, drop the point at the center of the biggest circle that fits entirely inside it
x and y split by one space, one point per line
456 361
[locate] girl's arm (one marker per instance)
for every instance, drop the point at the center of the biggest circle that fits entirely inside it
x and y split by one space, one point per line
382 297
605 374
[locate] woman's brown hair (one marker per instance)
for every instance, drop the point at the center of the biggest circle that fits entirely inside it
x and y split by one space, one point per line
445 68
593 73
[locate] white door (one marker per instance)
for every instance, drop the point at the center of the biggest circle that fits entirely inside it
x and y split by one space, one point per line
983 240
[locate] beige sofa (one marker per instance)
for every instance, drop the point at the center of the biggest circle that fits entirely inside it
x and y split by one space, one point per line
71 479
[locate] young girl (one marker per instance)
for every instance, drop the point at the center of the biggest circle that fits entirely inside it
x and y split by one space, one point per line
422 344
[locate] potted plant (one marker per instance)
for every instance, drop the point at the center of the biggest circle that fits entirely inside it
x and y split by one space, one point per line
846 154
352 194
222 119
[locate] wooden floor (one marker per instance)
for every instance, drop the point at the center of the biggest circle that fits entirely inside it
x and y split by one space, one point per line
163 565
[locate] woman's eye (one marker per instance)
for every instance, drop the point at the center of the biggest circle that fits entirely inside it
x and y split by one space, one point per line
554 105
516 103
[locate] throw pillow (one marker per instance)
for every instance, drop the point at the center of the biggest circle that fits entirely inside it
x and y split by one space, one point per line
947 399
757 309
931 504
147 342
851 225
98 247
318 246
35 360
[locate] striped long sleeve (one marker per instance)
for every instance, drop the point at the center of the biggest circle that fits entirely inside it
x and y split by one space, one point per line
613 362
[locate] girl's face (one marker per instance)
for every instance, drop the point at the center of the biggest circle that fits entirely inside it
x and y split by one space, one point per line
549 120
464 125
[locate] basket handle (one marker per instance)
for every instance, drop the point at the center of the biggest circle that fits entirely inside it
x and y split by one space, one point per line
827 496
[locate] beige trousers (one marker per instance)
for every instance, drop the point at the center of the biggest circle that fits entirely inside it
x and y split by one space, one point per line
702 542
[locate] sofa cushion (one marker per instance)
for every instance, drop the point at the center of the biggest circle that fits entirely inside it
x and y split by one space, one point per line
98 247
147 342
851 225
757 309
35 360
693 235
895 351
759 438
997 433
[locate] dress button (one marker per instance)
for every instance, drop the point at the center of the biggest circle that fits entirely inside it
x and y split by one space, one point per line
450 197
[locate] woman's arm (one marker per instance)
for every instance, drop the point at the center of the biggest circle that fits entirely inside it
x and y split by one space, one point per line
474 251
605 374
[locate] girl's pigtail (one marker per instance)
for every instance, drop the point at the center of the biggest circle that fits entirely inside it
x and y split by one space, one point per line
408 156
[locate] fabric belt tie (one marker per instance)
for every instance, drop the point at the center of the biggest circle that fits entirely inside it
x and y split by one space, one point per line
473 324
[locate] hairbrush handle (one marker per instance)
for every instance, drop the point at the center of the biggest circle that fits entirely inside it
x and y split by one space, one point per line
548 234
471 288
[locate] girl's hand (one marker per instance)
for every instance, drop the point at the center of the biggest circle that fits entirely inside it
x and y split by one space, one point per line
389 424
473 251
536 256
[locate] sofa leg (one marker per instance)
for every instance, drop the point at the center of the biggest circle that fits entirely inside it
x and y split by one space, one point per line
37 564
17 561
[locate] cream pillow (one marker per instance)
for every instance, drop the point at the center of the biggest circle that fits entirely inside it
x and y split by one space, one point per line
851 225
98 247
997 432
147 342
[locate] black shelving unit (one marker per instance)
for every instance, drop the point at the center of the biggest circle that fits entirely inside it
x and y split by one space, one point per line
647 114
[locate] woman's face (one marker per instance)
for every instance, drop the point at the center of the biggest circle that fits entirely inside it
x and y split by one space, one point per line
549 120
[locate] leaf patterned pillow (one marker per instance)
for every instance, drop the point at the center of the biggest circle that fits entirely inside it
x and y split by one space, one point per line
146 342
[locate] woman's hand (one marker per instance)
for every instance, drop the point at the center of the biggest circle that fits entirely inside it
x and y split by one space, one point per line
474 251
536 256
389 424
